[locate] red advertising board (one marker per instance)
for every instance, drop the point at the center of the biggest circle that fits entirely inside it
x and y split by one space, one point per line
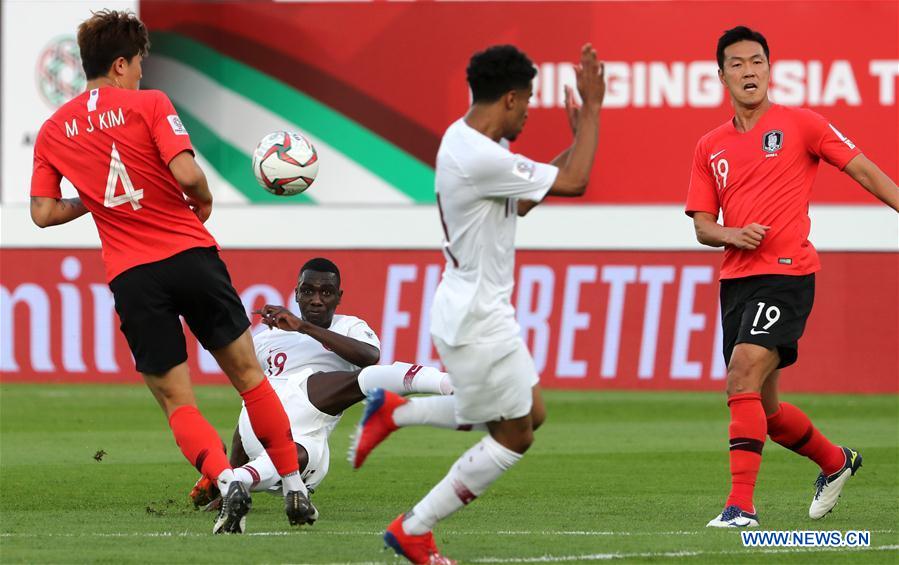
398 69
592 319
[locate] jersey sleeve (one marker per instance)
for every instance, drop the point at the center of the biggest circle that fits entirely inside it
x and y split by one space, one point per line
169 134
361 332
702 195
45 178
502 174
827 142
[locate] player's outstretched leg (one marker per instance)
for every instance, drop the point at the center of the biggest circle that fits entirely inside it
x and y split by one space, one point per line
404 378
236 505
791 428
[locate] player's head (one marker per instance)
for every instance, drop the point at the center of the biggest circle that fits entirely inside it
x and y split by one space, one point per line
744 65
112 45
318 291
502 75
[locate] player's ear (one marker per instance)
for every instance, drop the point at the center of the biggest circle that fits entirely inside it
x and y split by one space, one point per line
509 100
339 296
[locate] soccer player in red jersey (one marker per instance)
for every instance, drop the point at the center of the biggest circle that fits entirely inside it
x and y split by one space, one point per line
131 161
758 169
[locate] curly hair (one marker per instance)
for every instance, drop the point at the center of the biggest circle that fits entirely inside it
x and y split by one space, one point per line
497 70
108 35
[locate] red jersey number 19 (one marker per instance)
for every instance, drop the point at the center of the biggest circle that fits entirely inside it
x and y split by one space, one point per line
117 171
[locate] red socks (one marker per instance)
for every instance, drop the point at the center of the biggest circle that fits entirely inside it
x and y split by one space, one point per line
199 441
269 421
748 428
791 428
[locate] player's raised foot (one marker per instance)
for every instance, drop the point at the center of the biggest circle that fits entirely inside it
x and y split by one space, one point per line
828 488
734 517
204 492
417 549
299 509
236 504
376 424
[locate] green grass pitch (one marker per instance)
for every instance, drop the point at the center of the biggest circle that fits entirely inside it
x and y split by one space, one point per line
630 477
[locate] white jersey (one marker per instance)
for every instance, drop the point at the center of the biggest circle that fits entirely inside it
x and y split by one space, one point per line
284 353
478 184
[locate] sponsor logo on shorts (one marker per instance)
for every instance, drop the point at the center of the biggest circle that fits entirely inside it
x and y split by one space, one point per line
785 261
757 332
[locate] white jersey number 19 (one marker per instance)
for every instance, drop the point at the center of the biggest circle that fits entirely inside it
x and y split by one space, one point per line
117 171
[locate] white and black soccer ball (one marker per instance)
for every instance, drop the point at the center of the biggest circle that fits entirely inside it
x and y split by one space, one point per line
285 163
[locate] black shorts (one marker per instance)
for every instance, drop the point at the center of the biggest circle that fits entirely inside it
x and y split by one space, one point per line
150 298
767 310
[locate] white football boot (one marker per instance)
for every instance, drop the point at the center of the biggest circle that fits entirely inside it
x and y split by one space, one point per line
828 488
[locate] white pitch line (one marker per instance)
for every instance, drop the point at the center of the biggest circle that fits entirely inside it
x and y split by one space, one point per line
672 554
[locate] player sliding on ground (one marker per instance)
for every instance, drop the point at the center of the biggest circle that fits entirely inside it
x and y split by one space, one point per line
320 364
131 161
481 187
758 169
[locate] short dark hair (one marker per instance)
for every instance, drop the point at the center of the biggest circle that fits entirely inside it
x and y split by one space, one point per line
321 265
737 34
497 70
108 35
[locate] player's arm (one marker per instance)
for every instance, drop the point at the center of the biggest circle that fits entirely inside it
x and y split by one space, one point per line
710 232
356 352
872 179
193 182
576 163
47 211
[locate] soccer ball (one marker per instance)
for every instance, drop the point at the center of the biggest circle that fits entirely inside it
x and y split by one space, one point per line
285 163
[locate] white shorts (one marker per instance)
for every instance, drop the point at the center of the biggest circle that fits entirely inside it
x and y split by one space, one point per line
309 426
492 381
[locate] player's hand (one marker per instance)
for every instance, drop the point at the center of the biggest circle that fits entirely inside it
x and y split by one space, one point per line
572 109
280 317
590 73
202 209
748 237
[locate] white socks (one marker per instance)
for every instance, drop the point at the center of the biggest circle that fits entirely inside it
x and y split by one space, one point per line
436 411
468 478
292 482
404 378
260 475
224 479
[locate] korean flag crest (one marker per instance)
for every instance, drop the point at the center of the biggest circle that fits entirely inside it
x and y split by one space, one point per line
772 141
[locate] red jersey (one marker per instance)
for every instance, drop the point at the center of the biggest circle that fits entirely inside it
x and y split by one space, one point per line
114 145
765 176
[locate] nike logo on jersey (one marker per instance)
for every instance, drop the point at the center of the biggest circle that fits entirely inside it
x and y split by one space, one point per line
757 332
712 158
